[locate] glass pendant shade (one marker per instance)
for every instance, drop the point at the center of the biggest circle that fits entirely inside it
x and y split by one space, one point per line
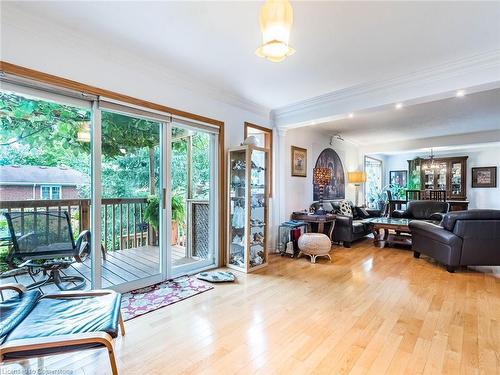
83 134
276 18
431 164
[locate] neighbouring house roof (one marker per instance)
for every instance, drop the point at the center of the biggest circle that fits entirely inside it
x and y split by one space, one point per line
30 174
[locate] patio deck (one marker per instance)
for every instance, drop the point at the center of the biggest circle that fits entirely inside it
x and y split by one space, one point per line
119 267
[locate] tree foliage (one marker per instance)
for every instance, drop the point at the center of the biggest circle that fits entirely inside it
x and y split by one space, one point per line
34 122
40 132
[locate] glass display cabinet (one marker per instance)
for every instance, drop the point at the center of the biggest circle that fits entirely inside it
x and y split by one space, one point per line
449 175
248 187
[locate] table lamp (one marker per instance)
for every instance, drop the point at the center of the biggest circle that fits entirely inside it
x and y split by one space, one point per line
321 176
356 178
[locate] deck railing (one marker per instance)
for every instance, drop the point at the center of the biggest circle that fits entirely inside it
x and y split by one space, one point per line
123 223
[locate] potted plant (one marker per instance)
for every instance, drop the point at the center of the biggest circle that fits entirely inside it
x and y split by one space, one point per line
152 213
377 198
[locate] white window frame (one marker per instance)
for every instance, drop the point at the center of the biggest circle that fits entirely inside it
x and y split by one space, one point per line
365 187
50 187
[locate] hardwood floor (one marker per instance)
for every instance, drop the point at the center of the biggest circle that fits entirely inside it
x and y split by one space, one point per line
370 311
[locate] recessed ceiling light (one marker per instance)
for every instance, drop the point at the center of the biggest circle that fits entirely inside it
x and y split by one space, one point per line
399 105
460 93
351 115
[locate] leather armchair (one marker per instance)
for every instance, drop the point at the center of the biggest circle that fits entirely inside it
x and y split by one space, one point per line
432 211
348 229
464 238
34 325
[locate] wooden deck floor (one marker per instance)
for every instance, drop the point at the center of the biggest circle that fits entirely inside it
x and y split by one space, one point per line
119 267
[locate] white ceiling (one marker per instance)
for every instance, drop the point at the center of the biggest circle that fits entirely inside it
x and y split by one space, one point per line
478 112
339 44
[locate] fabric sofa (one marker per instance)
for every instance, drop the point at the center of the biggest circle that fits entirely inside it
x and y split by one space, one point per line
348 229
464 238
34 325
427 210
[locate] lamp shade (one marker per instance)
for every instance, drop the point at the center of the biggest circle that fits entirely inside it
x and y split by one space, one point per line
321 176
276 18
356 177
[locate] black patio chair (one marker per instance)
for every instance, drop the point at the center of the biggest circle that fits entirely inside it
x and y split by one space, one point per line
43 241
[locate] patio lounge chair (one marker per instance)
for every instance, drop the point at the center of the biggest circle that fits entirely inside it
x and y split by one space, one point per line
43 241
36 325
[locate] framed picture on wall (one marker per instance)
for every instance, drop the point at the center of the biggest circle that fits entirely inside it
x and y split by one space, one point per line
484 177
299 162
398 178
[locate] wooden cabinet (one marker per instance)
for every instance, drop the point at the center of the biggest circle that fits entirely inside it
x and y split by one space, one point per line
445 174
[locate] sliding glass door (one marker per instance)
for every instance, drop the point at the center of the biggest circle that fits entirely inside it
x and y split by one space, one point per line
144 185
44 173
131 199
193 198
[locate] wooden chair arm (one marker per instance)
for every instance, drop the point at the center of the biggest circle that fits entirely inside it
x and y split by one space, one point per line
81 293
19 288
60 341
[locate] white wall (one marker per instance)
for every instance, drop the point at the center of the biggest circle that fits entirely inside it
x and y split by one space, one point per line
296 193
478 157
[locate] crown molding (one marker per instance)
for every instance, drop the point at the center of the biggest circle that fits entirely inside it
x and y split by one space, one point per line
77 42
477 138
461 73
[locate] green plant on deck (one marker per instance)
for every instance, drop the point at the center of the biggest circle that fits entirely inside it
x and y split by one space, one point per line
152 211
4 250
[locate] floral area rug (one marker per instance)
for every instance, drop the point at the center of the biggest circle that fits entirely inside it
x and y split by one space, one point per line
141 301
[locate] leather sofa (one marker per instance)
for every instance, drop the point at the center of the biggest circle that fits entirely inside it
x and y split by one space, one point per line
348 229
432 211
464 238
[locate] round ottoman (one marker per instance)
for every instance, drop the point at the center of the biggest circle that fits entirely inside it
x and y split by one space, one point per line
315 245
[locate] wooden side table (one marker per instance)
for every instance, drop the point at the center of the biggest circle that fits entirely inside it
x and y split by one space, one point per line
320 220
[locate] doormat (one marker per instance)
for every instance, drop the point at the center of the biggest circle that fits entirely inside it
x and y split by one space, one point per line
144 300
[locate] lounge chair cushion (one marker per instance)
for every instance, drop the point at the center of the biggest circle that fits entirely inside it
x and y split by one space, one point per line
15 309
54 317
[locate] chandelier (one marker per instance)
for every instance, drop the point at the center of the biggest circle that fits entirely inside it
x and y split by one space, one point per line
276 18
431 163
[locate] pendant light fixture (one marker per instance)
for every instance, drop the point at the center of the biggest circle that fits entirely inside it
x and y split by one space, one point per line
431 164
276 18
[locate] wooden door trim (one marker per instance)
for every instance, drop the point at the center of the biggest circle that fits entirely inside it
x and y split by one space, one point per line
92 90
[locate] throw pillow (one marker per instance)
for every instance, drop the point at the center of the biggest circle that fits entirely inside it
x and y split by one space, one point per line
345 208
